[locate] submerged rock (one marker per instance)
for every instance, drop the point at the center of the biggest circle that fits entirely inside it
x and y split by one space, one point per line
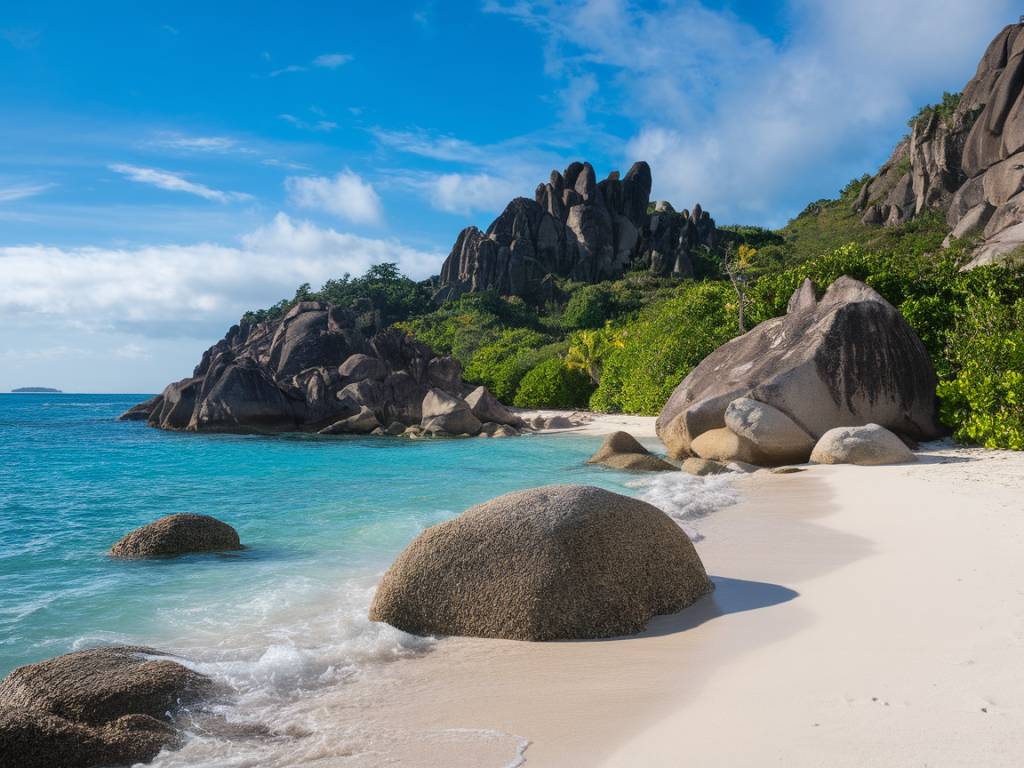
621 450
704 467
100 707
869 445
848 359
553 563
177 535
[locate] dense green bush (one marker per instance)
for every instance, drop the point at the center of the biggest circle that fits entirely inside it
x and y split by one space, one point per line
589 307
984 401
553 384
462 326
650 356
500 364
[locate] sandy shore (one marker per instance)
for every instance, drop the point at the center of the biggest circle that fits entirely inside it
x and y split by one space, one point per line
862 617
641 427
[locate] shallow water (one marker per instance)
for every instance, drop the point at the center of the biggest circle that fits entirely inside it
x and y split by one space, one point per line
284 621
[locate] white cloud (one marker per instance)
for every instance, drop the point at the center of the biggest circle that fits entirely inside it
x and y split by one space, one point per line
291 68
322 126
496 172
750 126
421 143
345 195
178 290
21 191
205 144
331 60
467 192
173 182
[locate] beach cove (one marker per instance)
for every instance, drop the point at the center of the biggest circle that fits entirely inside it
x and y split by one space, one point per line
853 605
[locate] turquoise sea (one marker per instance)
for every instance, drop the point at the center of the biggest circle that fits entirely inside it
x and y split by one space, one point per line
321 519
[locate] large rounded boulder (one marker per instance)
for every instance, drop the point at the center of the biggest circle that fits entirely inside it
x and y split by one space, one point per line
177 535
100 707
848 359
870 445
553 563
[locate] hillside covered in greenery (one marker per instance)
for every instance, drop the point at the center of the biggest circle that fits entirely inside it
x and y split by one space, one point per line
623 346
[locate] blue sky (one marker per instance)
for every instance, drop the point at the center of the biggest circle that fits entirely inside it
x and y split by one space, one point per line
164 166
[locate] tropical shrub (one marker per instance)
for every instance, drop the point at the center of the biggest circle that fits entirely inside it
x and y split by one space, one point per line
589 307
501 363
553 384
655 352
984 401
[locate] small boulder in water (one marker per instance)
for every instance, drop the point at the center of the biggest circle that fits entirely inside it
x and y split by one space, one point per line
104 706
587 563
621 450
703 467
177 535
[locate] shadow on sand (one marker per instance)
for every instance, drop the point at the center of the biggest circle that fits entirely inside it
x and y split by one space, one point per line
729 596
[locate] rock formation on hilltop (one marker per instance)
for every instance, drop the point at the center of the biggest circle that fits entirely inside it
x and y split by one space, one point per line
577 228
310 370
964 157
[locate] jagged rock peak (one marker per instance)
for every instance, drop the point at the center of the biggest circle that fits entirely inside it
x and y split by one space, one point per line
575 227
965 158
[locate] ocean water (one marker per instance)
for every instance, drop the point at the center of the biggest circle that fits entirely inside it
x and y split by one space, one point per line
283 622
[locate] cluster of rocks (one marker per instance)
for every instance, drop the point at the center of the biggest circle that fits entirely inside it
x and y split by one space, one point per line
114 705
578 228
770 397
314 370
99 707
969 164
588 563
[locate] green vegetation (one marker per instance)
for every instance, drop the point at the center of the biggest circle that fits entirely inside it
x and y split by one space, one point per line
984 401
645 359
553 384
383 289
944 109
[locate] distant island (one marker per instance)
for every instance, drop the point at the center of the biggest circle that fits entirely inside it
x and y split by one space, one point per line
35 390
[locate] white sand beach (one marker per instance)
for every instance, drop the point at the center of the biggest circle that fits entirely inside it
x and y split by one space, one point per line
641 427
863 616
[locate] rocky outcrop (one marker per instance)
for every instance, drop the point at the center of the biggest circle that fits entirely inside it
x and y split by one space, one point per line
621 450
965 158
578 228
311 370
177 535
445 414
847 360
487 408
100 707
588 563
870 445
